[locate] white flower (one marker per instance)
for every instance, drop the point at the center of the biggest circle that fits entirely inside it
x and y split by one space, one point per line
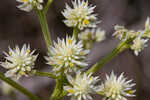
86 35
147 28
147 24
19 61
117 88
67 55
100 35
96 35
80 16
82 86
139 38
138 45
90 36
28 5
119 31
6 88
123 34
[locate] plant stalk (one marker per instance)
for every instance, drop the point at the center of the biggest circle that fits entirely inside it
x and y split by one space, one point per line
18 87
43 74
121 47
75 33
58 89
49 2
45 28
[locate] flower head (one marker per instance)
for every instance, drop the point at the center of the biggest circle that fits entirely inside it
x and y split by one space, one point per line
147 24
19 61
123 34
67 55
147 28
138 38
117 88
89 36
28 5
96 35
81 15
100 35
82 86
138 45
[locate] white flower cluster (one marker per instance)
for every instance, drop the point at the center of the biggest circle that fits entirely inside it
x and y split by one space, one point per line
138 45
67 56
123 34
19 61
89 36
80 16
140 37
82 86
28 5
114 88
117 88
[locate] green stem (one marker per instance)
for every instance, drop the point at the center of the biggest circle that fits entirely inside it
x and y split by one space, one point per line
122 46
44 26
63 94
75 33
43 74
18 87
58 89
49 2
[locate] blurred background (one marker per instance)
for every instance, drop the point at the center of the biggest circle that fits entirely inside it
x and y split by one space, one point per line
18 27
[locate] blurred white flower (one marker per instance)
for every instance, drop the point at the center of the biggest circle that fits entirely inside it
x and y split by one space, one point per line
139 38
67 56
96 35
138 45
86 35
117 88
100 35
147 28
82 86
147 24
123 34
19 61
89 36
28 5
80 16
